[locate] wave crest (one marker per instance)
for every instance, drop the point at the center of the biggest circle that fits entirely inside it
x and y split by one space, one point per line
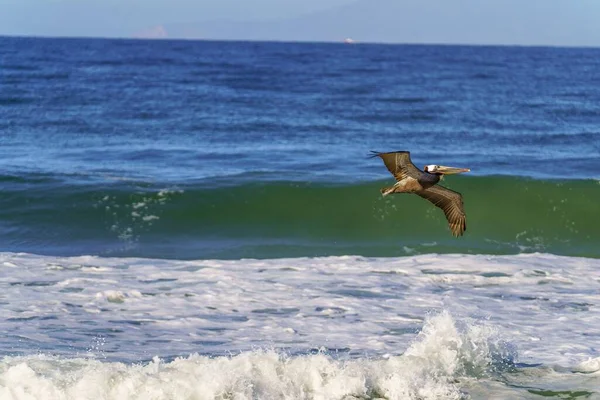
431 368
505 215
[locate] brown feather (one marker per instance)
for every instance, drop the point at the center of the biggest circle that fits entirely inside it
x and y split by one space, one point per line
399 164
408 185
451 203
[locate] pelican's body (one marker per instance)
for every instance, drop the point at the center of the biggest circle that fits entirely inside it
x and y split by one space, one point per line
412 184
425 184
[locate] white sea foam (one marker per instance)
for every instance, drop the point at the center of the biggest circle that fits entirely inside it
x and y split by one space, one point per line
590 365
96 319
128 219
430 369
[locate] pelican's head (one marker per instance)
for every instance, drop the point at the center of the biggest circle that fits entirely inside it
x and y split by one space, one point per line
443 170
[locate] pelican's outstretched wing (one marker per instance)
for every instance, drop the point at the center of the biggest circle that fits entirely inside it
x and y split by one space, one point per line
399 164
451 203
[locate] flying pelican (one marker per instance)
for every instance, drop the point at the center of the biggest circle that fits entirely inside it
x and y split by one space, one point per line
412 180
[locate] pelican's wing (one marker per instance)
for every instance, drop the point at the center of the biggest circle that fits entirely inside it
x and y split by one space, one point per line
399 164
451 203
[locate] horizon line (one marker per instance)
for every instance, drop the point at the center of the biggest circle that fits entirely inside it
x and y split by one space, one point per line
297 41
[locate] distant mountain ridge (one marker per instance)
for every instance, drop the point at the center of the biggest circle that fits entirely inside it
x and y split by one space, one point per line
518 22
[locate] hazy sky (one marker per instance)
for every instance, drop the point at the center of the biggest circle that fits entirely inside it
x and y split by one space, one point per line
124 17
524 22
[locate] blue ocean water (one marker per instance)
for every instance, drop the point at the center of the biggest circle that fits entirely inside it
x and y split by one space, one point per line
209 210
179 111
150 148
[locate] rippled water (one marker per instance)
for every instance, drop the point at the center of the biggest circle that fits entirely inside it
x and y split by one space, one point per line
187 219
412 327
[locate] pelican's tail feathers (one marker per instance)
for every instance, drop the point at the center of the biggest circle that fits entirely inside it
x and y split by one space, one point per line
387 190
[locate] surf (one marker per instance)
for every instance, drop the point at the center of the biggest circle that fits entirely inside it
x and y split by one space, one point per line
432 367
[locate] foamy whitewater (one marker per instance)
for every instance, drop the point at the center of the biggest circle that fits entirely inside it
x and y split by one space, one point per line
422 327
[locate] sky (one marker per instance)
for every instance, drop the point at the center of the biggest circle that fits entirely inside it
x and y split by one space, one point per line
125 17
520 22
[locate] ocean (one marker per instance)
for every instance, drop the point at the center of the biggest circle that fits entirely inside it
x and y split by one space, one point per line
202 220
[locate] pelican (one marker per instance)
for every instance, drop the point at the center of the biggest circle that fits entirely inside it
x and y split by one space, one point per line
424 183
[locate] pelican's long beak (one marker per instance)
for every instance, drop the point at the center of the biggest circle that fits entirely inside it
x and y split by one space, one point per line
451 170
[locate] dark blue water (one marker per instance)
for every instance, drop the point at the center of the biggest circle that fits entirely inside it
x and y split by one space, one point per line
194 149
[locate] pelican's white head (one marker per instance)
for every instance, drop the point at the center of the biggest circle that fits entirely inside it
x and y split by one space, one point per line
431 168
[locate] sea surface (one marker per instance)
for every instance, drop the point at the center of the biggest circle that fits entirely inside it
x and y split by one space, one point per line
201 220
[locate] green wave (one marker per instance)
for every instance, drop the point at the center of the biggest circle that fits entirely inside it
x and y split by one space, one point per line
505 215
